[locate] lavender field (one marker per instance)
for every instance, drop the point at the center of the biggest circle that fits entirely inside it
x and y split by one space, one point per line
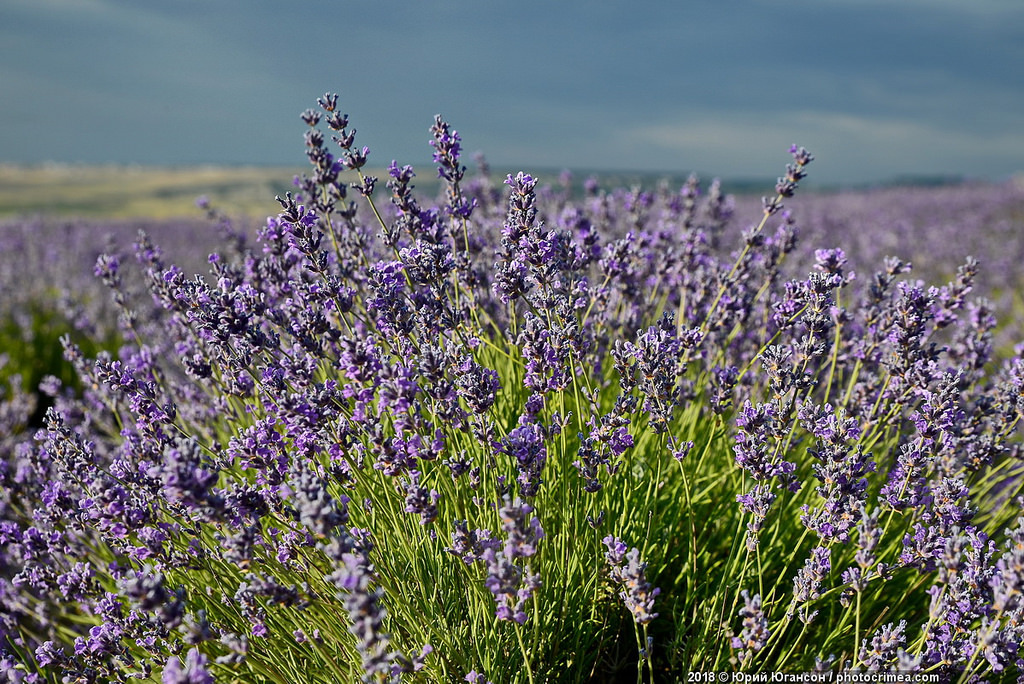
515 433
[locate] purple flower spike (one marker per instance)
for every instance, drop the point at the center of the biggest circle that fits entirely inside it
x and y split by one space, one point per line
627 570
755 632
882 652
757 430
192 671
511 584
526 445
522 531
419 500
807 586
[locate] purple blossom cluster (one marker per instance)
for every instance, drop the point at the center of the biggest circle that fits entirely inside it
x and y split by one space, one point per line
364 411
512 584
629 573
755 632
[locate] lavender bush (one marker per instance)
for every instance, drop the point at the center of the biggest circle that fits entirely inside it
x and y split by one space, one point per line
515 436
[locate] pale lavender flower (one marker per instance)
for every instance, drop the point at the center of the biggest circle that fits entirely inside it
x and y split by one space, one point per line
522 531
755 631
757 503
630 573
807 586
353 577
510 584
882 652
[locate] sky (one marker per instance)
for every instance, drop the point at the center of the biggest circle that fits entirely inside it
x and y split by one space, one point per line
875 89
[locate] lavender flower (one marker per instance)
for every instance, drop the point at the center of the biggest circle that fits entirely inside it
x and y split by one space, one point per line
883 651
447 150
606 442
469 545
842 472
628 571
522 532
808 582
907 486
191 671
419 500
317 510
525 444
478 386
754 453
363 603
1008 580
755 631
510 584
757 503
723 380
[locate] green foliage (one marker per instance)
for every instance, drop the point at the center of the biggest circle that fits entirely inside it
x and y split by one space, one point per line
30 345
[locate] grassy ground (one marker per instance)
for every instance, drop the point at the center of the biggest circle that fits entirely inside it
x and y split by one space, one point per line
152 192
139 192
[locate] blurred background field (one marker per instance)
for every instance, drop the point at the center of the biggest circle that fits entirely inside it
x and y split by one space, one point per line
161 192
120 192
56 219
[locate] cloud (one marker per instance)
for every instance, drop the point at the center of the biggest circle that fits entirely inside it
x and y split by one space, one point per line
976 8
110 80
65 6
847 146
746 132
699 87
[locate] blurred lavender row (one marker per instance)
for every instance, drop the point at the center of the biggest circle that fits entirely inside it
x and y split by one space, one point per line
50 262
50 289
934 228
